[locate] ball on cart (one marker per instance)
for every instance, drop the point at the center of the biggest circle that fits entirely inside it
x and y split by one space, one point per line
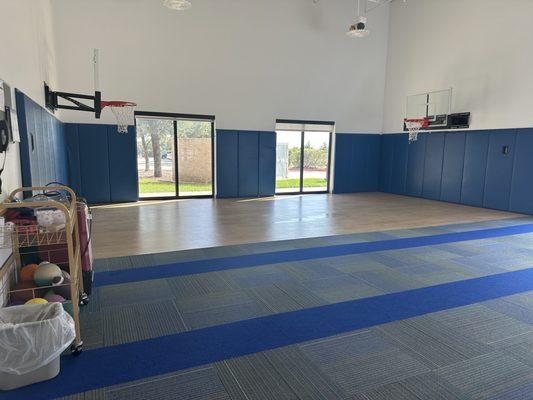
54 298
63 288
27 273
37 300
45 274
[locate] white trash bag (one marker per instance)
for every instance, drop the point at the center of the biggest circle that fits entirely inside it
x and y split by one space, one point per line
32 336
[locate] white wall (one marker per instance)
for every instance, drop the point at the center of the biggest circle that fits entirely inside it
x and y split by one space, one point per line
246 61
481 48
27 59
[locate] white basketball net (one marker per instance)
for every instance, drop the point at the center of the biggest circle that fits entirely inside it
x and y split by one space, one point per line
124 113
414 126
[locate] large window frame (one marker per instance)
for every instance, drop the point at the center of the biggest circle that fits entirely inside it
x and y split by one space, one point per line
175 117
307 126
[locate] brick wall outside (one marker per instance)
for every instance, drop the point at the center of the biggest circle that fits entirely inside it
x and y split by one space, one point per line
194 160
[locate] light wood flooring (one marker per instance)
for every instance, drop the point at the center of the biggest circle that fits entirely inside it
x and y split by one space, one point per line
159 226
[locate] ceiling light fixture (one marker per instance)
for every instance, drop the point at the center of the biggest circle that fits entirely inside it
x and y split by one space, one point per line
177 5
358 29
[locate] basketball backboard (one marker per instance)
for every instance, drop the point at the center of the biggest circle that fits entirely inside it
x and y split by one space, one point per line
435 106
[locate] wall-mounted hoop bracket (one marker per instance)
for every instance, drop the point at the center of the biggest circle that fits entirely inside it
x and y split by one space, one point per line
52 101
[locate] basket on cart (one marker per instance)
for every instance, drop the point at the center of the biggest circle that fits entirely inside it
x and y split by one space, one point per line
43 230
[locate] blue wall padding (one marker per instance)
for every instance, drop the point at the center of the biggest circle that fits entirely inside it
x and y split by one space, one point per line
227 169
122 166
399 163
452 167
343 164
267 163
115 277
105 366
499 170
248 164
433 166
43 150
386 164
94 163
415 166
102 163
475 168
521 199
73 157
357 163
24 119
462 167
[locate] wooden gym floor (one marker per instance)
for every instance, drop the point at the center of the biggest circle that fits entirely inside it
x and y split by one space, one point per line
159 226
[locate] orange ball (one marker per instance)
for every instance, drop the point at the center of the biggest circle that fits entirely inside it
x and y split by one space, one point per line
26 273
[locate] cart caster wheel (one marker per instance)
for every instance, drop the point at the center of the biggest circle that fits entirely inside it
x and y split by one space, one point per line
84 299
76 349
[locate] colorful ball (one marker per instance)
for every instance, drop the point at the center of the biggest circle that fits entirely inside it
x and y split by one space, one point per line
37 300
27 272
54 298
45 274
23 291
67 306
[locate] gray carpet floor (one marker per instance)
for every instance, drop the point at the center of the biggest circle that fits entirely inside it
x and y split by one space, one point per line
481 351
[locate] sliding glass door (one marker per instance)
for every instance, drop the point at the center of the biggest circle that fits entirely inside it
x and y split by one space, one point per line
162 174
302 162
195 158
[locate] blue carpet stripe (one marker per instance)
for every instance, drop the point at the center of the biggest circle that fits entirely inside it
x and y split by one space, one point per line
253 260
128 362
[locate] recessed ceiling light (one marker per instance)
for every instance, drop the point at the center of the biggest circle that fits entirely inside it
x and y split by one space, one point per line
178 5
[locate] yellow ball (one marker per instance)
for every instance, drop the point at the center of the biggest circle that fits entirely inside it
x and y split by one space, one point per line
37 300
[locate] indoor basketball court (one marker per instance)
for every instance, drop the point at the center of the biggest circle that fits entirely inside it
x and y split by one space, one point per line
250 199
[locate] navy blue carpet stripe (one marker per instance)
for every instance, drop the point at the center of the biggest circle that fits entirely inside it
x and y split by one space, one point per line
128 362
253 260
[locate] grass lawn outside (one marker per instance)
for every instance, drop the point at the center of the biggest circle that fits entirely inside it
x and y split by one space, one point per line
152 186
295 183
148 185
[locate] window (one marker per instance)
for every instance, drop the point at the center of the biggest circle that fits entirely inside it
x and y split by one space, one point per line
303 156
160 137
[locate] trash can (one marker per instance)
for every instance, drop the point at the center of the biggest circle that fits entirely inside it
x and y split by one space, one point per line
32 338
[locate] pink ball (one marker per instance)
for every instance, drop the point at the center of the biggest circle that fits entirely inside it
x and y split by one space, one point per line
54 298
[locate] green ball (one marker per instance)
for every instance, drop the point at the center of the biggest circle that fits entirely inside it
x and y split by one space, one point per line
67 306
45 274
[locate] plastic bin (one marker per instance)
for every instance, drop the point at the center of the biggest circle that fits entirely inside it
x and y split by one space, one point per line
32 338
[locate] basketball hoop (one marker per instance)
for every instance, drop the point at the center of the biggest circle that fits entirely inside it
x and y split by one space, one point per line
123 111
414 126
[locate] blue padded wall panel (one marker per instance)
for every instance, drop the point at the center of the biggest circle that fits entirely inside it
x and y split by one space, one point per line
452 167
365 164
415 166
227 156
124 185
521 188
73 157
386 161
94 163
25 145
433 166
42 148
475 167
267 163
399 163
343 182
357 163
248 163
63 172
499 170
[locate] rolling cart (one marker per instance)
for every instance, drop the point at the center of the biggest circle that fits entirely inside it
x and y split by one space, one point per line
37 241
